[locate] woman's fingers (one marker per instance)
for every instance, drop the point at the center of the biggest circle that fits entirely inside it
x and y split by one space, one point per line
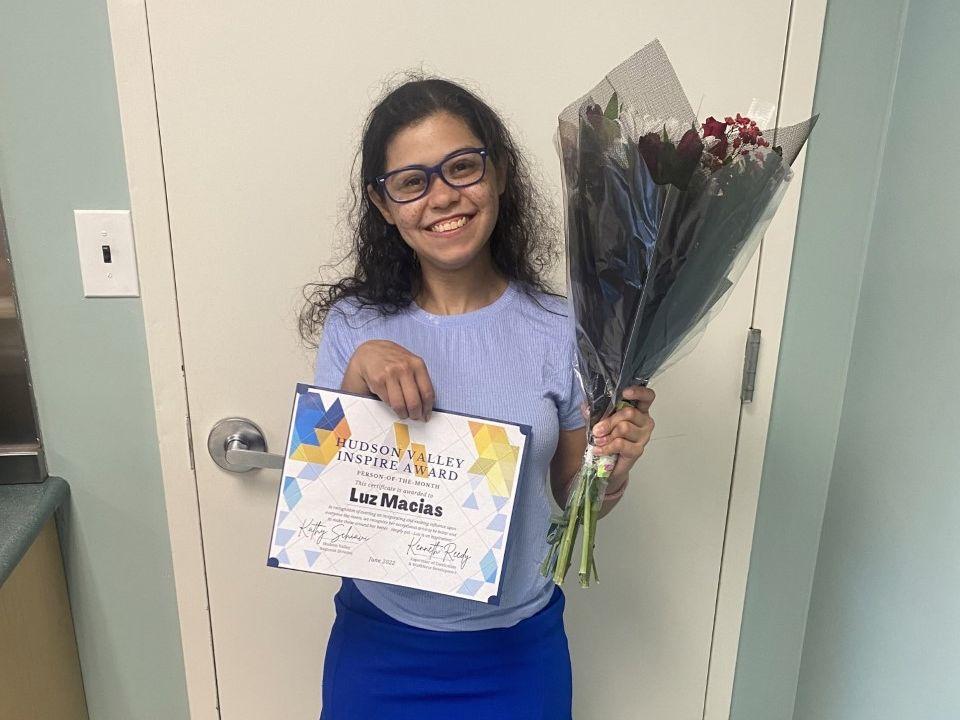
425 388
637 414
411 396
397 376
632 431
394 396
627 431
409 392
642 397
625 447
621 421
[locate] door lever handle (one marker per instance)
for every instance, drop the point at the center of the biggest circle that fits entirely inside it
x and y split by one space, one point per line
238 445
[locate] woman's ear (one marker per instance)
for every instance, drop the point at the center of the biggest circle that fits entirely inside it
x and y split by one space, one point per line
377 200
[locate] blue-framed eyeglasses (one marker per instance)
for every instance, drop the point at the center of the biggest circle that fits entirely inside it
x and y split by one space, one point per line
459 169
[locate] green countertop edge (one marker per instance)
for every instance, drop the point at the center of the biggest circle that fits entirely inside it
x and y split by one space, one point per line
24 510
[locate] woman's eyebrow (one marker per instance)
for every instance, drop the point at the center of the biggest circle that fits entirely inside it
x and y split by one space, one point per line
424 165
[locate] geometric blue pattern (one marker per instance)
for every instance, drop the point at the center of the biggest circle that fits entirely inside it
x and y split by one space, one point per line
470 502
499 543
283 557
312 416
283 537
291 492
311 471
499 522
311 556
499 501
469 587
488 566
475 481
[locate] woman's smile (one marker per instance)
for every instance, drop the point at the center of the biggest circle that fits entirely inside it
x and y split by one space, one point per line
449 227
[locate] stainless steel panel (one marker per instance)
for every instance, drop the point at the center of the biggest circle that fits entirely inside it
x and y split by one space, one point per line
21 457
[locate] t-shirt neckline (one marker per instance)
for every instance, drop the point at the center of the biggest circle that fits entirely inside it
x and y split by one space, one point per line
467 318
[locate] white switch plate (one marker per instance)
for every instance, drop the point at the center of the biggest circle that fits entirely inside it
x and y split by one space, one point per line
113 229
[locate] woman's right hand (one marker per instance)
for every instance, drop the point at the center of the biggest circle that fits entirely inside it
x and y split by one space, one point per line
394 374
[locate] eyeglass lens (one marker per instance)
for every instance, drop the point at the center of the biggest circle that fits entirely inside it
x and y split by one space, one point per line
458 171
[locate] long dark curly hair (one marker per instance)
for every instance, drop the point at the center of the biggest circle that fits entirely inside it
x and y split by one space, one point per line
386 272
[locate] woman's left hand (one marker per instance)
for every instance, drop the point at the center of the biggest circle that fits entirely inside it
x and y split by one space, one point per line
627 431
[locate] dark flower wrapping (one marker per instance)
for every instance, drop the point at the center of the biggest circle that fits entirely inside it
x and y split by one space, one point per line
660 222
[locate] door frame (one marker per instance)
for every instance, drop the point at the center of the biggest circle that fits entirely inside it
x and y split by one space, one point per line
129 29
801 62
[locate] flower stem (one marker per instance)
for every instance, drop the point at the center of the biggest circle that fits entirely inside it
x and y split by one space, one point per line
586 546
574 506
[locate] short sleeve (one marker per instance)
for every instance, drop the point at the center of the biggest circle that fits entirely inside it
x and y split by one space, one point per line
572 397
334 352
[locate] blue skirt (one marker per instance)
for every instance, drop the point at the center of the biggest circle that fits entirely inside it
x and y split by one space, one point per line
377 668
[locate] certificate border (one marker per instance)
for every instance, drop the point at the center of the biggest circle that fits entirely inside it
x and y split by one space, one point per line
525 429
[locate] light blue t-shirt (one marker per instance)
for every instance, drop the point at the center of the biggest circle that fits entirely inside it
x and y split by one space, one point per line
512 360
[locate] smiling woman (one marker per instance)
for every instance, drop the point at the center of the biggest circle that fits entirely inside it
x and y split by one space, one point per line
421 123
447 306
450 228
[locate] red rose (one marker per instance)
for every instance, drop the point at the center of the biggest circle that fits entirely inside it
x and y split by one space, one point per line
669 164
719 149
689 149
750 133
714 128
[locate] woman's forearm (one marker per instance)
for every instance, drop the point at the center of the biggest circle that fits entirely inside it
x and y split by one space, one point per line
561 492
615 489
608 505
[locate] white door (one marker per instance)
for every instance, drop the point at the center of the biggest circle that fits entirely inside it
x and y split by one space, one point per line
259 107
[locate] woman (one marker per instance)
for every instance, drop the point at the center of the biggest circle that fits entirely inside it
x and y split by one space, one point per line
447 307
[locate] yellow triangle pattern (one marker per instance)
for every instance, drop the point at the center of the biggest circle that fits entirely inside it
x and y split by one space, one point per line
401 432
496 457
326 447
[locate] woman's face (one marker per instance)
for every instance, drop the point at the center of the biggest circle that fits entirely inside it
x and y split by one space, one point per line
427 143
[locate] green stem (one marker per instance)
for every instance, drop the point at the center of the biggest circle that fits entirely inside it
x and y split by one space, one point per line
588 524
569 532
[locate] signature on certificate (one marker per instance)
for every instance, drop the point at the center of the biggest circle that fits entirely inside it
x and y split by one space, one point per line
447 552
317 532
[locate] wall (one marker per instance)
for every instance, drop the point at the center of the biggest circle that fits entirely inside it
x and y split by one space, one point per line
854 90
60 149
884 623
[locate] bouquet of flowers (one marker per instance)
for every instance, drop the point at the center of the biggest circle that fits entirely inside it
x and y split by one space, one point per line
662 214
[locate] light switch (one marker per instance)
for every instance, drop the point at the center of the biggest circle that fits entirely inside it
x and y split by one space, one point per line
108 262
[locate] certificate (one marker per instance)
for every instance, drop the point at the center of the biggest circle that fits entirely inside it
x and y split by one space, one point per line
425 505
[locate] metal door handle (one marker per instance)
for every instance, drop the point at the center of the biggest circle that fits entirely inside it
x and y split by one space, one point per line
238 445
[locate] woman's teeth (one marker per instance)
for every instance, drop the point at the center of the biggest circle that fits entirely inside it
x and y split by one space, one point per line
450 224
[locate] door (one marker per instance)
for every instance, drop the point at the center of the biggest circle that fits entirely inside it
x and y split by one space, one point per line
259 108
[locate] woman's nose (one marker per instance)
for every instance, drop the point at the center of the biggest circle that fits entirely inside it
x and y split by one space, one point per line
440 194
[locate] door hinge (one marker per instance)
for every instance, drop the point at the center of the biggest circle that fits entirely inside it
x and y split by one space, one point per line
750 356
190 441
